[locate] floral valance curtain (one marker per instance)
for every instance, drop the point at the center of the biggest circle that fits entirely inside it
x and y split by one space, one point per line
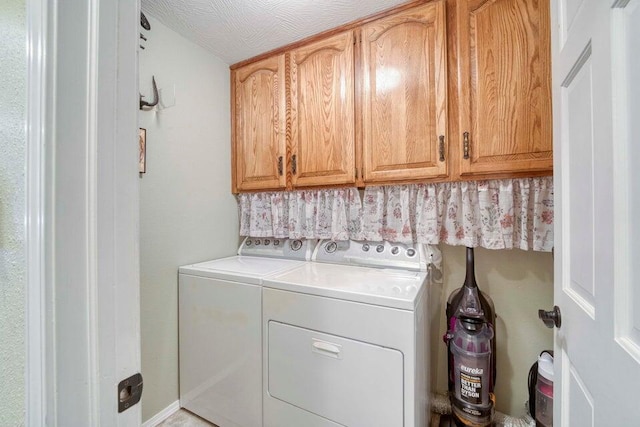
496 214
309 214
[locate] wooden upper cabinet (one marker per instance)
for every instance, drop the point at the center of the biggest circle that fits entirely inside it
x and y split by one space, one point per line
321 79
505 86
404 95
258 111
374 97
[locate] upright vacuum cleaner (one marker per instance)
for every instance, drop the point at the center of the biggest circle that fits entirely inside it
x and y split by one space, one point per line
471 346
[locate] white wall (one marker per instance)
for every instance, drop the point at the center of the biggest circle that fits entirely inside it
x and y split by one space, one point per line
187 212
519 283
12 189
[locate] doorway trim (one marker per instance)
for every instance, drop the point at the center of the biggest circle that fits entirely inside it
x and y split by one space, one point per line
35 364
82 303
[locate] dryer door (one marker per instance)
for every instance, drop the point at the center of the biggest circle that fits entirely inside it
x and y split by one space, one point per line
346 381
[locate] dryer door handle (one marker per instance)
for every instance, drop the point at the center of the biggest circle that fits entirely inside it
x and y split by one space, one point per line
327 349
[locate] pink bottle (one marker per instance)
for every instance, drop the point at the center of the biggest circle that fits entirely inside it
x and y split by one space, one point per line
544 391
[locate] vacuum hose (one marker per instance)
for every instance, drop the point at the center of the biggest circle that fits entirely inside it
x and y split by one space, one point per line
440 404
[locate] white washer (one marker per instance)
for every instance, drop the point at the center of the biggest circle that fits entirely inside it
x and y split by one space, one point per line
220 320
347 344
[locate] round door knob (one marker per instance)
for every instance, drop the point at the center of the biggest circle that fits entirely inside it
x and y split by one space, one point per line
551 318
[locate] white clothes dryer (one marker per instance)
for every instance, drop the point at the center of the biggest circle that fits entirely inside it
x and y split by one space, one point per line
346 337
220 333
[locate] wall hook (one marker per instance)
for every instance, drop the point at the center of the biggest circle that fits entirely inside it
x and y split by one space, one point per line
144 22
155 96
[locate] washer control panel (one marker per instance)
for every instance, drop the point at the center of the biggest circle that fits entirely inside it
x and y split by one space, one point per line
374 254
298 249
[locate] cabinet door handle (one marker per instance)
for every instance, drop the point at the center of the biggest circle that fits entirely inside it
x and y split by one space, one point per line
280 165
294 164
465 144
441 148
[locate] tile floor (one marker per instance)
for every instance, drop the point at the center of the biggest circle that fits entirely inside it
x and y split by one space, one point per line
184 418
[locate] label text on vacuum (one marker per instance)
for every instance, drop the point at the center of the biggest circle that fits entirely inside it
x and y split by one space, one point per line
471 385
472 371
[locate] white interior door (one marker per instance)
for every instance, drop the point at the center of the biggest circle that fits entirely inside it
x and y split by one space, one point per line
596 91
90 315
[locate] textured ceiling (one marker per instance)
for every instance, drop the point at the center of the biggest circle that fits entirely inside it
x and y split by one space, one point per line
235 30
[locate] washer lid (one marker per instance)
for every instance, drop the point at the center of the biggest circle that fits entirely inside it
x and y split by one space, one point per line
246 269
385 287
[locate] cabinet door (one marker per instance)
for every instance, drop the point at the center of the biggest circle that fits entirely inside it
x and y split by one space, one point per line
322 112
259 144
404 102
504 87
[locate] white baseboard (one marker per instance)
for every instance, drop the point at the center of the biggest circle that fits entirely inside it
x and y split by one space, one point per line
162 415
